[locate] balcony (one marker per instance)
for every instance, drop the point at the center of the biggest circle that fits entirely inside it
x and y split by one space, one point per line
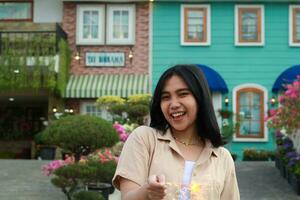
32 55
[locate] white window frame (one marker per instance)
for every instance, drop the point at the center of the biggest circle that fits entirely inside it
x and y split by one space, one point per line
109 31
262 24
79 20
84 104
182 25
217 103
291 26
265 106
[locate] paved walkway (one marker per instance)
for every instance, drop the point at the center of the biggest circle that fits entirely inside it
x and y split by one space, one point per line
22 180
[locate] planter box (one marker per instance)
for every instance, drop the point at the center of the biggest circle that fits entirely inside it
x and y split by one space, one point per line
295 183
277 162
288 176
282 169
47 152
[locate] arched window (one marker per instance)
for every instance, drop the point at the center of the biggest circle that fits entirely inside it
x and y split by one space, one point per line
250 107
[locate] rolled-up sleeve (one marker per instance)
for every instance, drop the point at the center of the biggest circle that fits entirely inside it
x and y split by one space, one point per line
133 163
230 190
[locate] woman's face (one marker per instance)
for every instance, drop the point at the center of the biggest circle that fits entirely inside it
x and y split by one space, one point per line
179 105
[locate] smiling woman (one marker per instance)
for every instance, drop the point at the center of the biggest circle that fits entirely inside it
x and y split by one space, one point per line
184 134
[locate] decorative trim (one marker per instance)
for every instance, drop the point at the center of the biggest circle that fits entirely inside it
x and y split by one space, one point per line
79 37
131 24
292 25
207 22
261 25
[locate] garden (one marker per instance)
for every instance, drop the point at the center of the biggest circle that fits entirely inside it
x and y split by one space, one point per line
90 146
285 120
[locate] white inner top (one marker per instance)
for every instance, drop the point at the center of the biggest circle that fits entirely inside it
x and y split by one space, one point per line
187 176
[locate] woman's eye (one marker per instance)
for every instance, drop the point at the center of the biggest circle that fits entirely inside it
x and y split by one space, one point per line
164 97
183 94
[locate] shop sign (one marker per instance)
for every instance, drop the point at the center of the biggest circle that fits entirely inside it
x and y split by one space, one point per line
93 59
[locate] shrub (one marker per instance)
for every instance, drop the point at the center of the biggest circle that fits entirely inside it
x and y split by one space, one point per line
255 155
143 99
136 113
81 134
287 115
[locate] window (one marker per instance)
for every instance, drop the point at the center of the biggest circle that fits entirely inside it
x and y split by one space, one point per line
249 104
217 103
121 24
195 24
89 108
294 38
90 24
249 25
16 11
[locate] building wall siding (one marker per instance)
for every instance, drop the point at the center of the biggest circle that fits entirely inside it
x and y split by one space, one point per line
237 65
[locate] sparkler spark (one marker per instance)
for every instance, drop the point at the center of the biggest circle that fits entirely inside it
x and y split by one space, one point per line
191 191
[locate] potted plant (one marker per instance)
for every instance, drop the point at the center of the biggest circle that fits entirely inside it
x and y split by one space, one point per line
79 135
43 150
225 113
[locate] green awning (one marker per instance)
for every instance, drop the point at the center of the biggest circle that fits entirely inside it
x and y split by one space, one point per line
94 86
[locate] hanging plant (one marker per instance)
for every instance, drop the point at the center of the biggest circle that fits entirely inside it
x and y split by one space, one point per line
28 62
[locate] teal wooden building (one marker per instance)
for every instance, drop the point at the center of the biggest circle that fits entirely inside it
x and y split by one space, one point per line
249 45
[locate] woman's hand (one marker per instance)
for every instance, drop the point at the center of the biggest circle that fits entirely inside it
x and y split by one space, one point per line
156 189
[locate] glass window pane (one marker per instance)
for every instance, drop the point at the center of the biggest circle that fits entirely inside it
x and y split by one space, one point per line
298 26
117 31
245 127
195 25
86 17
116 17
195 14
249 26
120 24
15 11
250 112
125 17
95 31
95 18
125 30
86 32
255 127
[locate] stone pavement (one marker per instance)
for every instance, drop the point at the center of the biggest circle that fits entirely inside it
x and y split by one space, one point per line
23 180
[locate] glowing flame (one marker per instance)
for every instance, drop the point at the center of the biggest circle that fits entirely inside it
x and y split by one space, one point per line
191 191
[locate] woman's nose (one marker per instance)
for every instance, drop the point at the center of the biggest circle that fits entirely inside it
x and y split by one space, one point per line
174 103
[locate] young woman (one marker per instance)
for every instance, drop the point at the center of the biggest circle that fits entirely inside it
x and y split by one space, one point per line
180 155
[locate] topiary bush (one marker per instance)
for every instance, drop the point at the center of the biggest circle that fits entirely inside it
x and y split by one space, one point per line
81 134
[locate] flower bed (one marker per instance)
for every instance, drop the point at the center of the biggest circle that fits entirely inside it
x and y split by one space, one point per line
288 161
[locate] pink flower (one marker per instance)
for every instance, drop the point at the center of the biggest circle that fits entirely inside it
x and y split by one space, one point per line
121 131
123 137
287 115
52 166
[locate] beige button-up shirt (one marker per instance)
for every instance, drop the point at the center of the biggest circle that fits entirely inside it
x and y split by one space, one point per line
147 152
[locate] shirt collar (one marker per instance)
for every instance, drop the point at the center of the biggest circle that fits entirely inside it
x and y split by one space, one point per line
209 149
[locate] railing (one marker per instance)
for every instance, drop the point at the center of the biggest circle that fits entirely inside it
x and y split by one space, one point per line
42 42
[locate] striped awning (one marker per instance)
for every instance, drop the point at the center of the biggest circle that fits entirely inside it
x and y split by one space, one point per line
94 86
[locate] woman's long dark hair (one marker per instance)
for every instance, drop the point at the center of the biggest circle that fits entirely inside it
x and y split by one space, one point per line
206 120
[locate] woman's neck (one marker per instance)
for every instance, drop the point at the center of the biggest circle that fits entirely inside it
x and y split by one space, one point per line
187 136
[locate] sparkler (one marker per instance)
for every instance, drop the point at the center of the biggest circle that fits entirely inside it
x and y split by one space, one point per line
177 191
